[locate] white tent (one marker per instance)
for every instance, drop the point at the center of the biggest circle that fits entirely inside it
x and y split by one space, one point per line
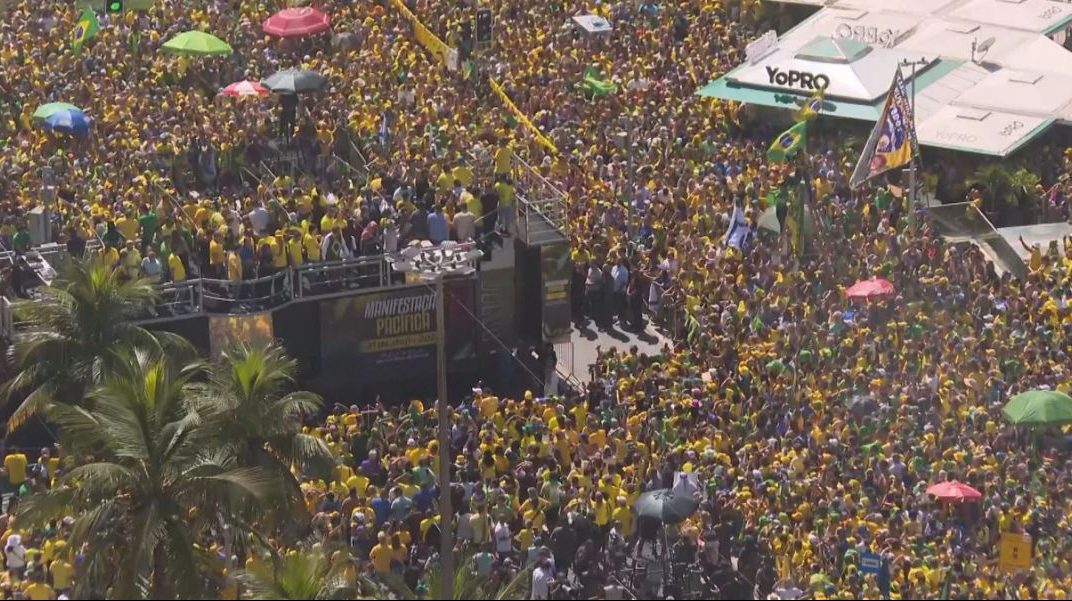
593 23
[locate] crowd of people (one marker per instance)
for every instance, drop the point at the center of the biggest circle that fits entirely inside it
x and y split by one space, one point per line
810 424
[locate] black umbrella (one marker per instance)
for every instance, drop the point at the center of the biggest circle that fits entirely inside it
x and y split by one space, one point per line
667 506
294 81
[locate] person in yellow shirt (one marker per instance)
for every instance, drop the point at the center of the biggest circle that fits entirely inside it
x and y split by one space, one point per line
109 256
381 554
217 257
176 268
504 158
38 591
127 226
311 244
15 464
295 249
62 573
279 252
234 266
328 221
507 212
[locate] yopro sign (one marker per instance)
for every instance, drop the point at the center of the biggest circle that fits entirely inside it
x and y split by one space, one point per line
798 79
872 36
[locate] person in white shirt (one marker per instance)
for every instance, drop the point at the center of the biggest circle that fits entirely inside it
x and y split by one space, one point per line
465 225
541 581
504 541
259 218
151 267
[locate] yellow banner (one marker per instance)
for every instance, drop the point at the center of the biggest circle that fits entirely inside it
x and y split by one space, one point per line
449 57
1014 553
425 37
522 118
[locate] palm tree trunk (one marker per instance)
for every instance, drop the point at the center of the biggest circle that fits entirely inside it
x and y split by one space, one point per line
160 585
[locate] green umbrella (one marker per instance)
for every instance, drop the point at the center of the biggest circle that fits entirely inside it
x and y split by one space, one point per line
196 43
1039 408
45 110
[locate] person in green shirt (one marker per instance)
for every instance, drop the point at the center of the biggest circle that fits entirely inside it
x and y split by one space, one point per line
21 242
148 223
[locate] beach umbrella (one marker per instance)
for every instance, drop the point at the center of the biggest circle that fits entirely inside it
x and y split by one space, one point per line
45 110
667 506
68 121
869 289
1039 408
293 81
196 43
245 88
953 492
297 22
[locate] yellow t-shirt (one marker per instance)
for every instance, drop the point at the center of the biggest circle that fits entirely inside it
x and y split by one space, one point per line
381 558
463 174
503 160
294 250
62 574
506 194
175 266
15 464
127 227
312 247
110 257
234 267
327 222
38 591
279 254
216 253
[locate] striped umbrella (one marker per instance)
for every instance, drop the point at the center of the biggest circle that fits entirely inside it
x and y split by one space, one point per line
245 88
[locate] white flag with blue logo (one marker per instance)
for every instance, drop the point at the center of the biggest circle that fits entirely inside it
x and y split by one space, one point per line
739 232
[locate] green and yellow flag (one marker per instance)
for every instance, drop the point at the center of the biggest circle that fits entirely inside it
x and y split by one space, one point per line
811 107
788 143
86 28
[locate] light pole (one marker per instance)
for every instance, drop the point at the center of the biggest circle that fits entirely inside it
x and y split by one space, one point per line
628 142
433 264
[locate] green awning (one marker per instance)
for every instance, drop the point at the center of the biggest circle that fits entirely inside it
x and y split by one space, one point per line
725 89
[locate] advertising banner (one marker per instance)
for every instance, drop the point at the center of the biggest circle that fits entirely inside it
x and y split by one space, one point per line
391 334
556 271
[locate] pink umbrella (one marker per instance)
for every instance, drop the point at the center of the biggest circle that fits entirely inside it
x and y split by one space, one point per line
297 22
873 288
954 492
245 88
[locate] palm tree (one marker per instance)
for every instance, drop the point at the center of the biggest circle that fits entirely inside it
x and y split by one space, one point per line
467 585
308 573
248 400
151 477
994 181
75 333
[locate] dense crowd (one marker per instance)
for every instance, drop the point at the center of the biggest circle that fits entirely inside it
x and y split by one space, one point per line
811 425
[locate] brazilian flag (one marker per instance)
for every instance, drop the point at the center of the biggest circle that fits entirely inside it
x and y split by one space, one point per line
788 143
86 28
811 107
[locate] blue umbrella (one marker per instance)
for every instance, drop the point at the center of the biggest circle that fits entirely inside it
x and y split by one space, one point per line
68 121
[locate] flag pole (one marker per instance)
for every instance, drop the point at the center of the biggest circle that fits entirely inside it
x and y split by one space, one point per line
912 197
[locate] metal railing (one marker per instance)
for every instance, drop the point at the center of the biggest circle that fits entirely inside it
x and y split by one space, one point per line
538 199
329 277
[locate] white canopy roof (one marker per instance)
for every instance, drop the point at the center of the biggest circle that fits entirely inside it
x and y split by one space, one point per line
982 131
854 71
992 79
